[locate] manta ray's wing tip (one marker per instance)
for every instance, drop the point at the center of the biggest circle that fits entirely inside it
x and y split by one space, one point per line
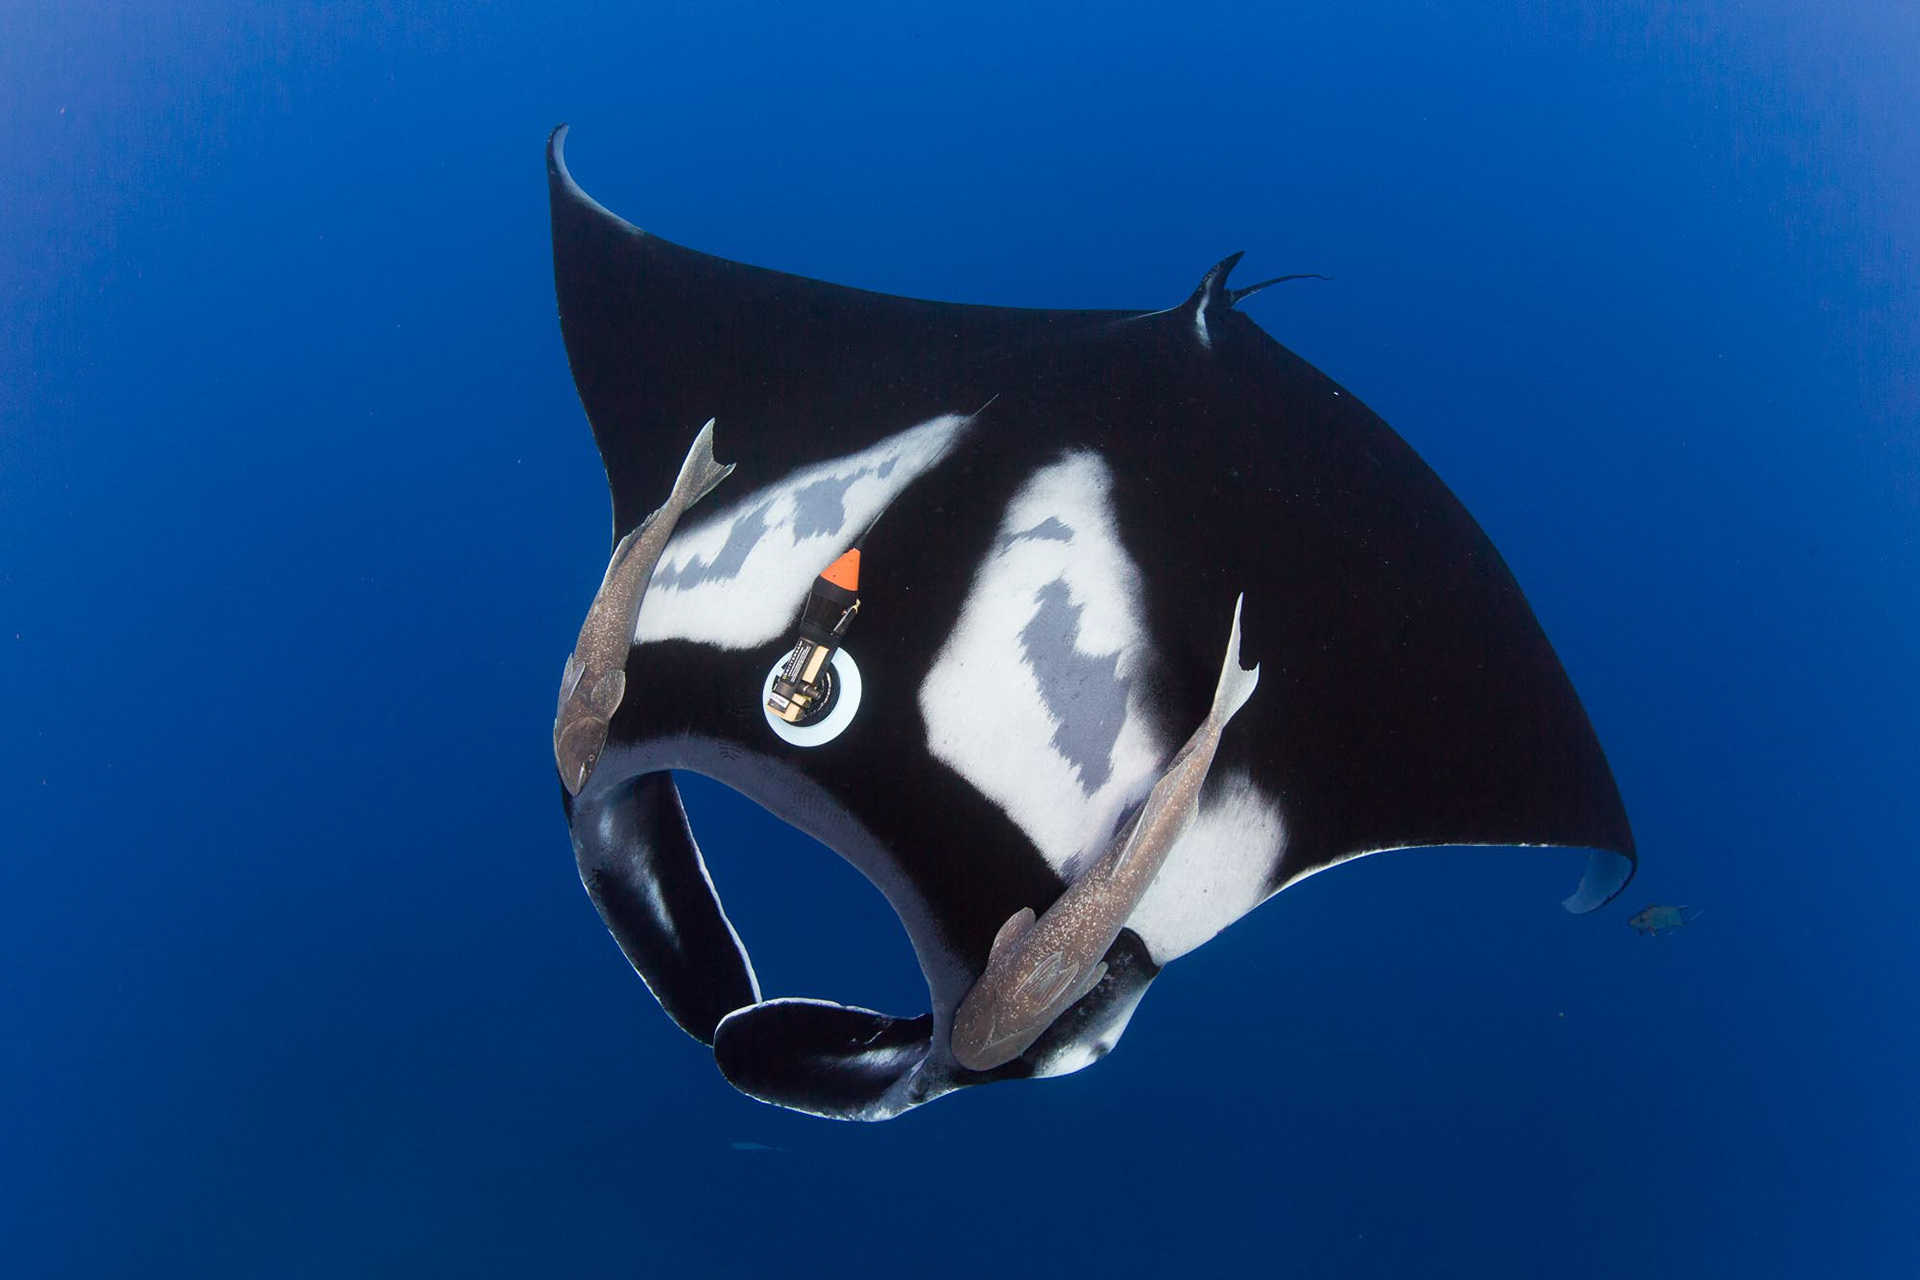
1607 874
567 194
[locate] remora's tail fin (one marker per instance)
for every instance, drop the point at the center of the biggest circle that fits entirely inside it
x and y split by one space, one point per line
1236 683
699 473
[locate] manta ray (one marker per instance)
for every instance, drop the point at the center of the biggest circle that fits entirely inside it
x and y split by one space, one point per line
1080 633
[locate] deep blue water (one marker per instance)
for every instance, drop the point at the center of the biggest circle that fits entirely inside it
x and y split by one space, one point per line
298 516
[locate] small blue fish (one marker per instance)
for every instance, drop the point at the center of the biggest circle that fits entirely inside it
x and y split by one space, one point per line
754 1146
1649 921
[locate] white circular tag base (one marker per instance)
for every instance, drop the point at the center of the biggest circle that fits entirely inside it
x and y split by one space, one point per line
846 702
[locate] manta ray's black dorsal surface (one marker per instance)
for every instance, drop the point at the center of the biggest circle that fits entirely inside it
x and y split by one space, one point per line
1083 537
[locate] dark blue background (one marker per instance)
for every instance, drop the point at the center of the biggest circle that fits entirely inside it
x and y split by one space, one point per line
298 516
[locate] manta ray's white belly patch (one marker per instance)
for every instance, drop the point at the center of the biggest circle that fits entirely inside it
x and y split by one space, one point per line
737 578
1216 872
1035 699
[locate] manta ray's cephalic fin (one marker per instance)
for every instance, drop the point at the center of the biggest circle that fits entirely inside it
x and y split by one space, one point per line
642 868
847 1063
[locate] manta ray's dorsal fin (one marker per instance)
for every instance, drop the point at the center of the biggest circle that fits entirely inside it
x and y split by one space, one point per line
1212 298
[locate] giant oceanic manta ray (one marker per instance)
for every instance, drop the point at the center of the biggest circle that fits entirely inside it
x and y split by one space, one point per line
1079 633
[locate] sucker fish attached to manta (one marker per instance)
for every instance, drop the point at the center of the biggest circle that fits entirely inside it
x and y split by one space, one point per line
595 678
1037 970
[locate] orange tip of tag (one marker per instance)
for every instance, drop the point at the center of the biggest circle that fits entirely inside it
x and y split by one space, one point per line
845 572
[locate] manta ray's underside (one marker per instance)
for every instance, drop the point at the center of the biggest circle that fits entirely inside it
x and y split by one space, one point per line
1080 633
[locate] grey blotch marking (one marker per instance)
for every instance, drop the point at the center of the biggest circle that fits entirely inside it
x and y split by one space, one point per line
821 507
1048 530
1083 692
745 534
885 469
